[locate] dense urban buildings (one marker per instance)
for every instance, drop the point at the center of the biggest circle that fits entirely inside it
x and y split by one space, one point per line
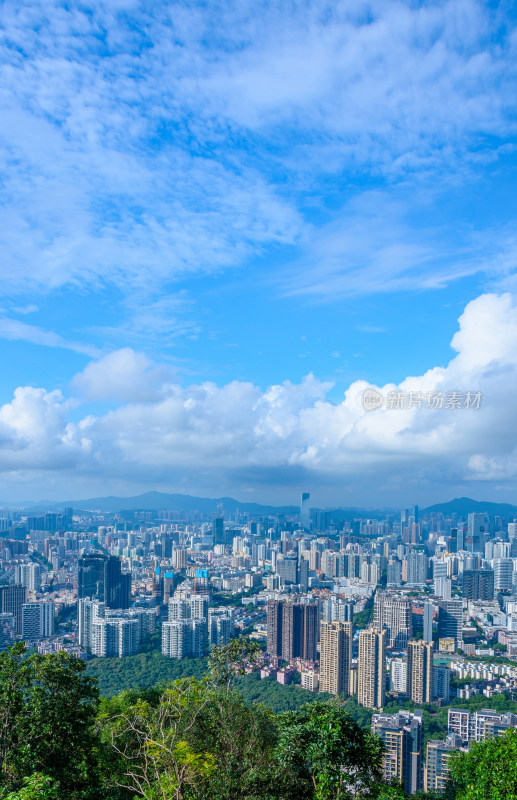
387 609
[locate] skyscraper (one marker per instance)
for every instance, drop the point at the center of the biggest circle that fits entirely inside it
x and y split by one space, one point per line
503 572
12 598
428 622
91 576
476 533
218 530
310 631
292 630
393 613
478 584
305 515
450 620
274 628
420 672
117 584
371 677
335 657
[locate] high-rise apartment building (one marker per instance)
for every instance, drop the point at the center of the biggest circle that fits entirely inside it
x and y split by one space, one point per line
371 677
393 613
115 637
420 672
437 770
37 620
394 573
441 682
192 607
179 557
335 657
417 565
102 630
477 726
184 638
29 576
274 628
220 626
402 737
88 611
292 630
398 675
337 610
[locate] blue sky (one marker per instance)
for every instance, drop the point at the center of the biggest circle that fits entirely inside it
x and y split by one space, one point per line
204 203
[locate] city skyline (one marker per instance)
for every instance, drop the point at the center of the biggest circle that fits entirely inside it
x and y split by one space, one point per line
223 224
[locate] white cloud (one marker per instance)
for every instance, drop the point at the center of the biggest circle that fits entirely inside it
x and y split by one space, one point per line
15 330
215 439
374 245
123 375
143 146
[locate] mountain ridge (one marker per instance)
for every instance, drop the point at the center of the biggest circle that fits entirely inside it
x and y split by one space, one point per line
156 501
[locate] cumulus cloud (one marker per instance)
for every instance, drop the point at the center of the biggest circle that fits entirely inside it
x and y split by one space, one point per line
206 437
123 375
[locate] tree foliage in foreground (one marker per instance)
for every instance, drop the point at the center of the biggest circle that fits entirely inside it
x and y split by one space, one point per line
198 740
488 771
48 709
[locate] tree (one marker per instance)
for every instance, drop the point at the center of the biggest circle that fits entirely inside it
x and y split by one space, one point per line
155 759
333 757
36 787
242 741
488 771
47 715
227 661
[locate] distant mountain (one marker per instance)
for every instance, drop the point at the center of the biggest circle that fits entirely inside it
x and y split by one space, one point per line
465 505
157 501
